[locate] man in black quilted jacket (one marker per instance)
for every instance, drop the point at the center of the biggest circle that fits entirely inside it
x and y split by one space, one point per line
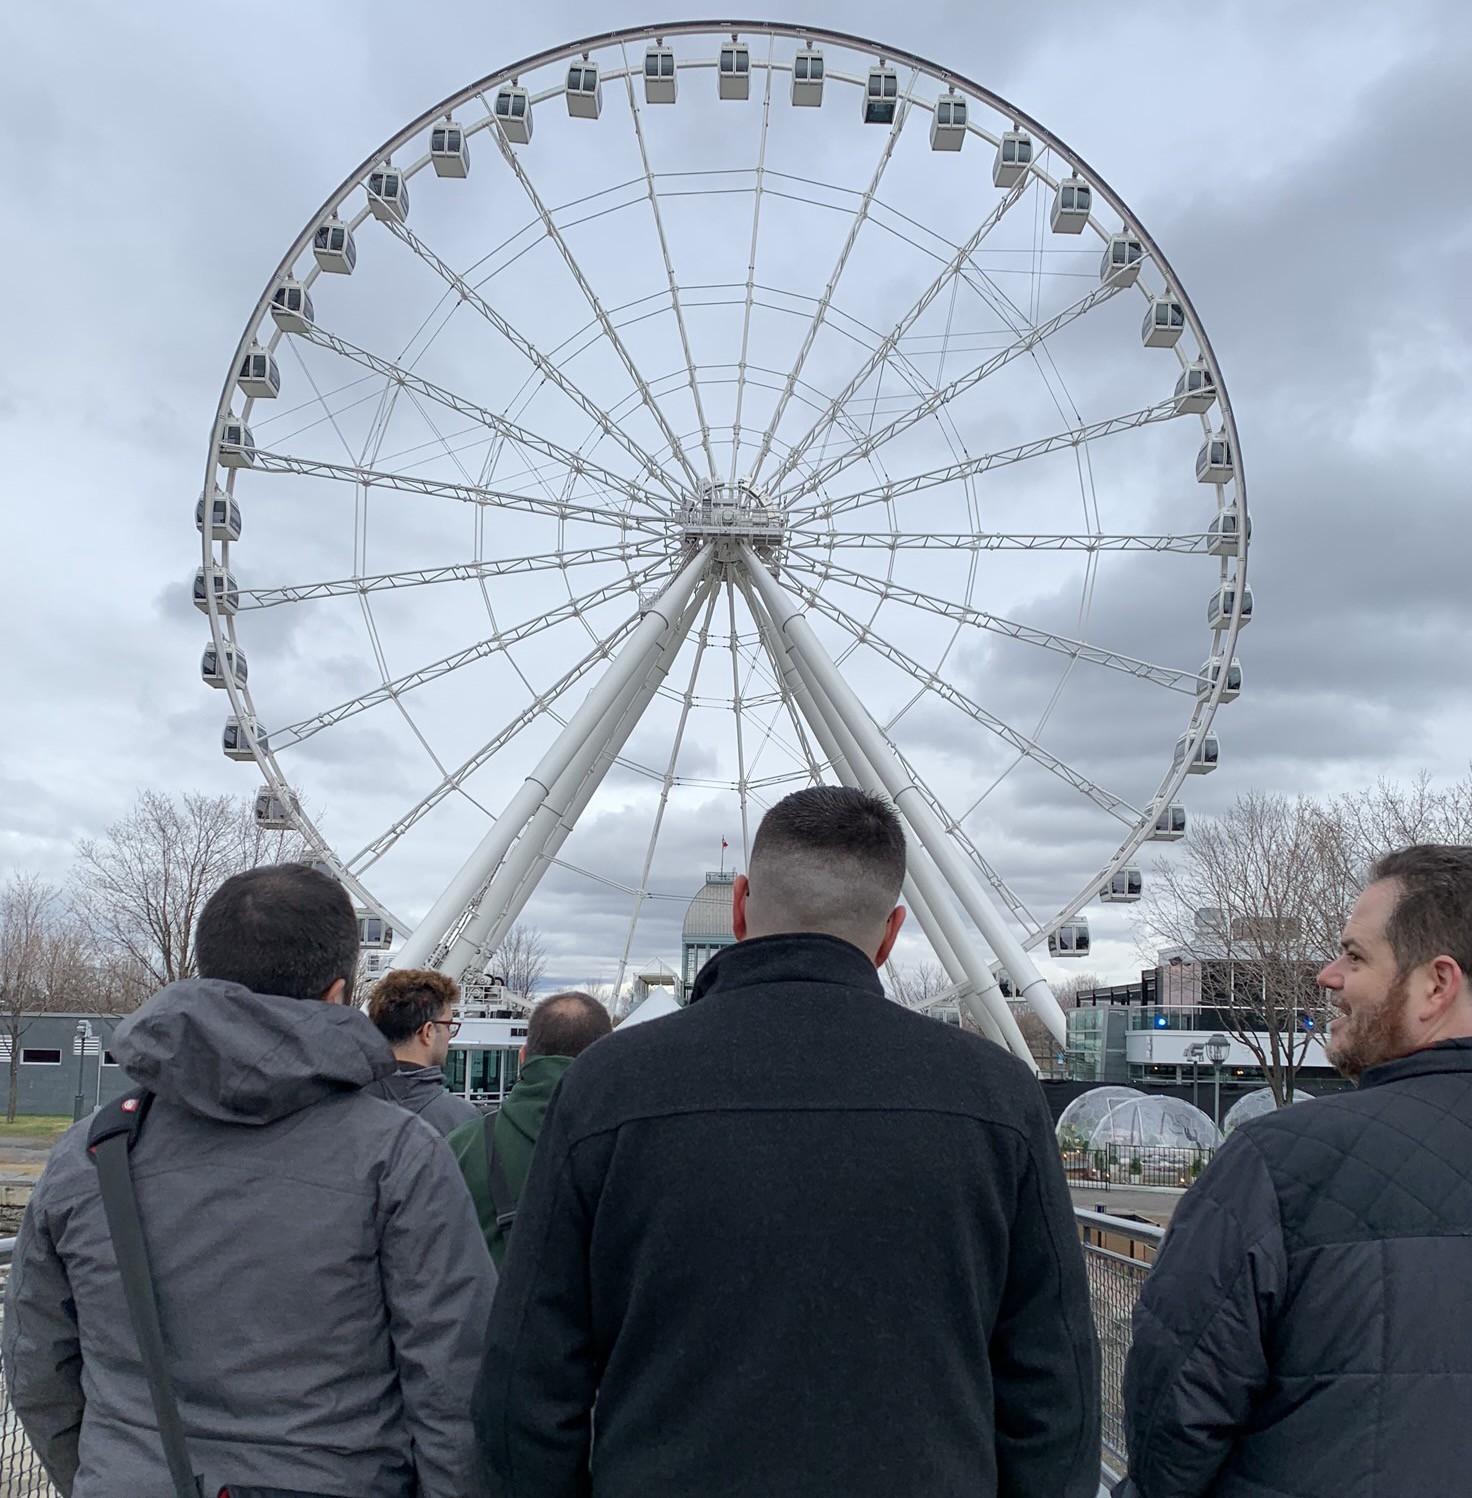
1306 1332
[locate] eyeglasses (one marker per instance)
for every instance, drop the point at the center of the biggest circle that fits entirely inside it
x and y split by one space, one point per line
452 1025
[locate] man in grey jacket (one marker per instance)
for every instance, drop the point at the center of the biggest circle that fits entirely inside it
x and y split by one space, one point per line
323 1285
415 1010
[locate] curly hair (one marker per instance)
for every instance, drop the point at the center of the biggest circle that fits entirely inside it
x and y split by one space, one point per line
406 999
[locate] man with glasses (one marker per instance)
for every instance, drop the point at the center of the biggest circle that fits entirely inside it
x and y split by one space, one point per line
415 1010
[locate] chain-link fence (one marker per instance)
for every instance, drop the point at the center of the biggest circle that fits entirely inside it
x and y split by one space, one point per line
21 1473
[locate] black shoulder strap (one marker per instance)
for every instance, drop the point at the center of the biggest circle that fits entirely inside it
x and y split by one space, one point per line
113 1134
503 1199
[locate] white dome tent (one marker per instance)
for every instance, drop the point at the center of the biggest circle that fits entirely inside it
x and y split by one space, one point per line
1151 1124
1077 1122
1256 1104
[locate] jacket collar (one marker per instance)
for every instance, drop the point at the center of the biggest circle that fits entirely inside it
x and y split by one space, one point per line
1445 1055
799 957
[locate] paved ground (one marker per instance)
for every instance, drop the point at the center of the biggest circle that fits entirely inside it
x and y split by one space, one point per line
1154 1206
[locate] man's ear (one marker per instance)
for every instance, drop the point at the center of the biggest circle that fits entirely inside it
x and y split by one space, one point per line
891 931
1446 984
739 891
338 993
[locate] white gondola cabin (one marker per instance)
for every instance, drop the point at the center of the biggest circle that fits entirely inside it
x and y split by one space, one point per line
1071 939
1170 824
237 737
334 247
224 517
733 71
1214 460
1124 887
948 126
374 933
449 150
274 811
513 111
1220 605
388 195
660 84
807 78
1224 534
291 306
584 90
1014 156
235 447
1195 390
1210 673
881 96
1204 758
259 375
1072 203
1120 265
219 665
1165 321
227 592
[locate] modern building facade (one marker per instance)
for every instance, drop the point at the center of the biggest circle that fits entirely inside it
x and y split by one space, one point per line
62 1057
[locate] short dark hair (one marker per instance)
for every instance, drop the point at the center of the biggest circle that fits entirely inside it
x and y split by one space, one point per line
406 999
282 928
566 1024
837 853
1433 915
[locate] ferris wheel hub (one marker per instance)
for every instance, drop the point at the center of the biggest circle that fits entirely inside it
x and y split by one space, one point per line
730 516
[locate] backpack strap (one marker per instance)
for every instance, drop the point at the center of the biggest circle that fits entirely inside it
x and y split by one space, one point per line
503 1199
110 1140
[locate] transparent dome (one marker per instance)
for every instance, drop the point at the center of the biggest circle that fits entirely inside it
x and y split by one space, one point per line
1081 1117
1255 1105
1151 1123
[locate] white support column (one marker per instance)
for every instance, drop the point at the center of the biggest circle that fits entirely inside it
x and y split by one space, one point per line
816 664
585 724
924 890
518 876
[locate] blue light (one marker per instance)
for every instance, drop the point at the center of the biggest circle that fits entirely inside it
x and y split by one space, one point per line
1162 1022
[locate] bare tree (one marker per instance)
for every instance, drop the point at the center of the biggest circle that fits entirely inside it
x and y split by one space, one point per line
917 985
521 961
139 889
1252 912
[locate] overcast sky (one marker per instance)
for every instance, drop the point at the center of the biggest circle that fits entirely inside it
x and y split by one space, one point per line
1299 164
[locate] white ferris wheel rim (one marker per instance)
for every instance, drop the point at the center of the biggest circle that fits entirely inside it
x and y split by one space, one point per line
222 625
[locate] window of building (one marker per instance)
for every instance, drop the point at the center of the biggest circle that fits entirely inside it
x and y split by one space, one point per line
39 1056
108 1059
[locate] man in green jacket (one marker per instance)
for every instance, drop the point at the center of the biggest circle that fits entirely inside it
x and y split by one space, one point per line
561 1028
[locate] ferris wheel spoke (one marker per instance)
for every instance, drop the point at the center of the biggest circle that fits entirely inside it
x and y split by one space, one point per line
891 340
1189 543
519 436
947 692
943 395
1073 437
555 234
266 598
547 368
669 269
389 691
1165 676
474 494
603 650
758 662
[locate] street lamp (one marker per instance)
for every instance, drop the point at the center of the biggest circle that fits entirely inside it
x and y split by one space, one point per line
1218 1048
1193 1055
84 1034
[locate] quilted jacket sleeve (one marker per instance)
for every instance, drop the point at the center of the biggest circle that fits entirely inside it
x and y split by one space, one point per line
1202 1324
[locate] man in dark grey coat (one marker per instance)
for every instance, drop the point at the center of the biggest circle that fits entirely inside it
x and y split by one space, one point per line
415 1010
323 1285
796 1241
1305 1333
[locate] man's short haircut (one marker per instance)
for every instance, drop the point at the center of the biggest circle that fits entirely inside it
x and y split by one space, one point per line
406 999
282 928
566 1024
831 857
1433 915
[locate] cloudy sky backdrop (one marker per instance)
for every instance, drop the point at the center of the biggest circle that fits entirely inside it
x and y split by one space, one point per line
1297 163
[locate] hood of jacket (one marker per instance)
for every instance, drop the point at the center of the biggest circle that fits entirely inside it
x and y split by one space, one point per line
412 1087
226 1053
526 1104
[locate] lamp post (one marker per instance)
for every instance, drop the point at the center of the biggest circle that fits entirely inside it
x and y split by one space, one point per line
83 1035
1218 1048
1193 1055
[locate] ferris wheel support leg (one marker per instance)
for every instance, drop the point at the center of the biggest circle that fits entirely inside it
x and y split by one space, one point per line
584 723
517 878
814 662
924 891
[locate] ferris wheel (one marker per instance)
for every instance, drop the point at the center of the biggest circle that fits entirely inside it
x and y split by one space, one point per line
766 406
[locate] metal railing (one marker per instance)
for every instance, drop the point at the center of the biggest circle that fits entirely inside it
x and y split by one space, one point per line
1117 1254
1111 1165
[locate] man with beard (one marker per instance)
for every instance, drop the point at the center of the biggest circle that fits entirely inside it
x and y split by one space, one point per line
1306 1329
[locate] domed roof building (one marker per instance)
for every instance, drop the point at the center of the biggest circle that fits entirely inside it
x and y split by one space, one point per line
707 925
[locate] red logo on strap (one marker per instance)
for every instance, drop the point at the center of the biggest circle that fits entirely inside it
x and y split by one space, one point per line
130 1105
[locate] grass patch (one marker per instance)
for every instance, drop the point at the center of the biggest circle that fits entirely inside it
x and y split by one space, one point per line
34 1128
